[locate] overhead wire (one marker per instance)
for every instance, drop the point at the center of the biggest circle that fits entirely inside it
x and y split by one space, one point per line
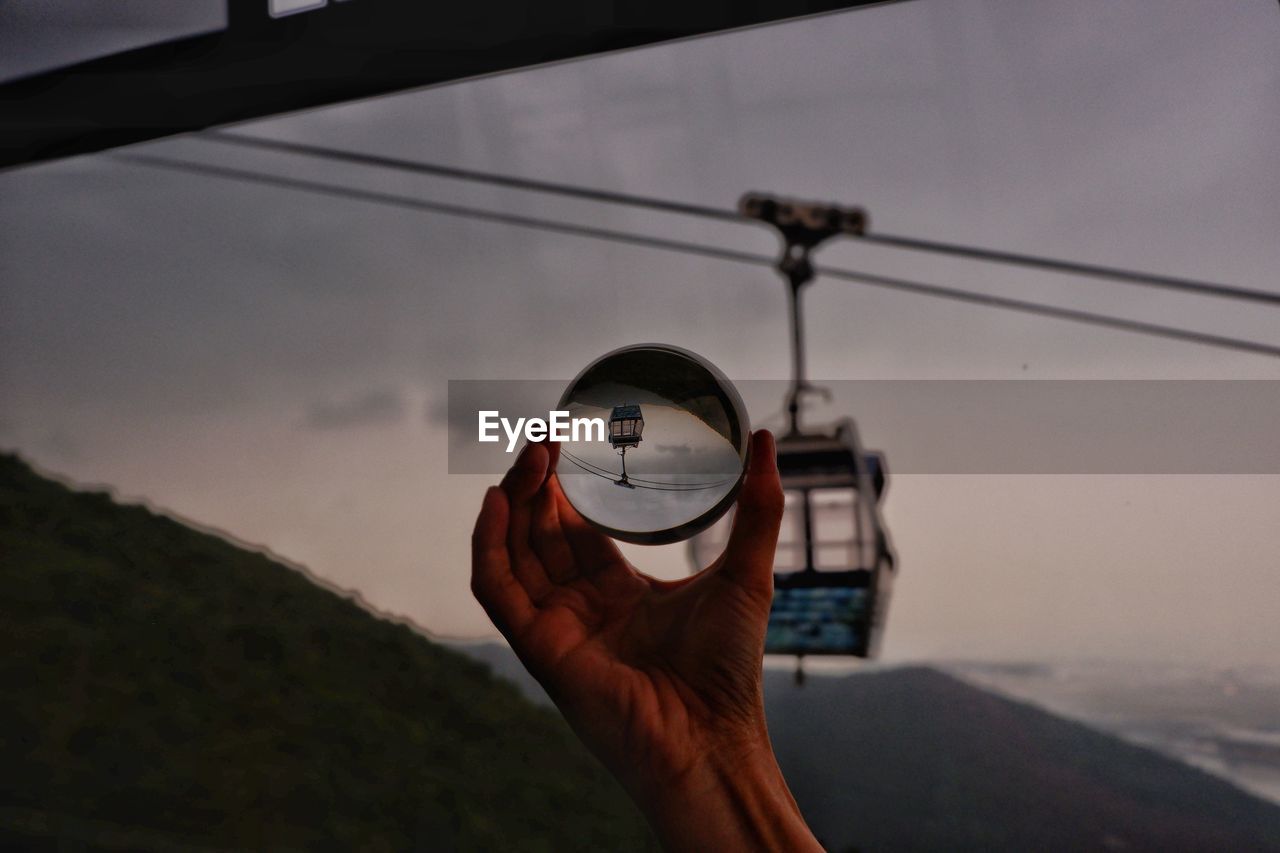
1134 277
638 484
655 482
638 479
992 301
698 249
678 486
474 175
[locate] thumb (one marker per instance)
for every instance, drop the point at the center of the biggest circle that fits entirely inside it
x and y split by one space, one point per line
748 556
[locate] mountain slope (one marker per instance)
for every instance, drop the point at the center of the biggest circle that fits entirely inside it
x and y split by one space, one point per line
911 759
166 689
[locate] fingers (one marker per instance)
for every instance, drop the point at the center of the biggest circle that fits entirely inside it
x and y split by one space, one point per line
521 485
553 456
748 556
525 477
549 542
492 583
592 550
538 538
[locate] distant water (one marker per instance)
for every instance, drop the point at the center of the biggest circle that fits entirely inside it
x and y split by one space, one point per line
1225 721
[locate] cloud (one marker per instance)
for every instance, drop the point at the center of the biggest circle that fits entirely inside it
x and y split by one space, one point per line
678 449
459 420
437 411
376 407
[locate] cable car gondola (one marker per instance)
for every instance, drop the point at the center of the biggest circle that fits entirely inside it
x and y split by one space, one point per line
626 423
834 563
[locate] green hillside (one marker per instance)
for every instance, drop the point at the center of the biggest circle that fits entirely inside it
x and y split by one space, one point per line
166 689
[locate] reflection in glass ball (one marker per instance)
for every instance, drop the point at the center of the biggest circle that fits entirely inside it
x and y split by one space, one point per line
674 450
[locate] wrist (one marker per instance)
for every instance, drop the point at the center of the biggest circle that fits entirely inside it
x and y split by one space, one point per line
733 798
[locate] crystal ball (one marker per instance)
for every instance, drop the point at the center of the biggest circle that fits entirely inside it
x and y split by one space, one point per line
668 458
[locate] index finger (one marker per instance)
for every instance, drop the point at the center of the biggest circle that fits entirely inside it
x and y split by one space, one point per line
753 539
493 584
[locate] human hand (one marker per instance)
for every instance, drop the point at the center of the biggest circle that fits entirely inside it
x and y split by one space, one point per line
660 679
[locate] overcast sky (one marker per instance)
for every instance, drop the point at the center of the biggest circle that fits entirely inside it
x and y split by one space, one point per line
274 364
39 35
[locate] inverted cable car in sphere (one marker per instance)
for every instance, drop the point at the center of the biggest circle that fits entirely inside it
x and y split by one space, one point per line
626 424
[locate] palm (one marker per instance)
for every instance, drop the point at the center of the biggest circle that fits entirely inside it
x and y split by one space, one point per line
644 669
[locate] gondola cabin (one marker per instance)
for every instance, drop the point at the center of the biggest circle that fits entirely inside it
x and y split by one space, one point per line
625 426
834 563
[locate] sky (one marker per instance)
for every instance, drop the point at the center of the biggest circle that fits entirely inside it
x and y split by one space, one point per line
40 36
275 365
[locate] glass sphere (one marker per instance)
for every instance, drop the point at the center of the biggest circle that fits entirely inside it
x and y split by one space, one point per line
674 445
